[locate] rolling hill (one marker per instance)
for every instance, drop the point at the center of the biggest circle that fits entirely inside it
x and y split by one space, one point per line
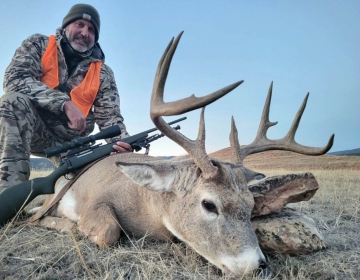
354 152
270 159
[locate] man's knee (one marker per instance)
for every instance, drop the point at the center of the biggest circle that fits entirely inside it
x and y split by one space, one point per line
16 102
18 112
14 171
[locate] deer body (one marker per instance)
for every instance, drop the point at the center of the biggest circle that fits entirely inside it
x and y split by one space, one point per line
145 196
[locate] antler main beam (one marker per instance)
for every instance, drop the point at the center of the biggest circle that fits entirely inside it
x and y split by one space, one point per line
159 108
287 143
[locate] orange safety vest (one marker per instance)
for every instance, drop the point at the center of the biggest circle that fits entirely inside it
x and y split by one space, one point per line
84 94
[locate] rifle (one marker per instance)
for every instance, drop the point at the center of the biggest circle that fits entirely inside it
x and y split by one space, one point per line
80 152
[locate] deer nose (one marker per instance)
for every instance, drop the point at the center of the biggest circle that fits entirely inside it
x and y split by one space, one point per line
264 271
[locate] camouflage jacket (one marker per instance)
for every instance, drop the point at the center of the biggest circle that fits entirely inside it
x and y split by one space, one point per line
25 71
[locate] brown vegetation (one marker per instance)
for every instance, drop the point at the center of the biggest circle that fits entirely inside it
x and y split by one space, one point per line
28 252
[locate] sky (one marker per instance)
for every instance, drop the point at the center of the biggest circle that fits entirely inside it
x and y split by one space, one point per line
302 46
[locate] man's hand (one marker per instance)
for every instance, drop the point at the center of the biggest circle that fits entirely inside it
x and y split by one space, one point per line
121 147
77 120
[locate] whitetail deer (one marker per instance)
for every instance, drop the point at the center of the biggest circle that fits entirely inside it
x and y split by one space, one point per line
202 201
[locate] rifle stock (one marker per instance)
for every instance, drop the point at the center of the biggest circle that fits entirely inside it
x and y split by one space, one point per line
13 199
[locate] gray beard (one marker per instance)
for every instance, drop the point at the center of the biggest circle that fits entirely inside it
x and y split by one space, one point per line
75 46
72 49
79 48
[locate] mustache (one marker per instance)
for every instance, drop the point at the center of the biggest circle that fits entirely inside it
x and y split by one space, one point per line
82 38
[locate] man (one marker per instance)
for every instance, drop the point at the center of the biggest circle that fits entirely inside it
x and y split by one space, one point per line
56 88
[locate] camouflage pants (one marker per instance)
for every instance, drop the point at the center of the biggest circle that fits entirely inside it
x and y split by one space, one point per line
23 131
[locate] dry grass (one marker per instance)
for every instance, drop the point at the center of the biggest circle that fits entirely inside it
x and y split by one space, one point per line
28 252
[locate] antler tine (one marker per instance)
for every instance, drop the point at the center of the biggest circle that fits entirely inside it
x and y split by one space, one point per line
234 144
197 151
265 122
290 136
163 69
287 143
236 154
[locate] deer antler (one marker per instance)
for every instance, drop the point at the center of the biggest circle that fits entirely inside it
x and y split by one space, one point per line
287 143
159 108
236 154
235 144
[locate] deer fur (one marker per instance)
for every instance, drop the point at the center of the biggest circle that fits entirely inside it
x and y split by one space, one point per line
162 199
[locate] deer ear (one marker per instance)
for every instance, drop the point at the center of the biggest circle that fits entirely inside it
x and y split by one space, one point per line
150 175
251 175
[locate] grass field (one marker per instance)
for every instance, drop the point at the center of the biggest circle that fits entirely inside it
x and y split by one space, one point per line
28 252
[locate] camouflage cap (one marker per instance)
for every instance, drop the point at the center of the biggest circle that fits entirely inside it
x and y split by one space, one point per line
83 11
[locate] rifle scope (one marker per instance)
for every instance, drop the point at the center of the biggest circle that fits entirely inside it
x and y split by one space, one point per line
78 142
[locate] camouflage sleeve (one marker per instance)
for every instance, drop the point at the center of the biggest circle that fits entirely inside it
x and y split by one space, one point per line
107 104
25 71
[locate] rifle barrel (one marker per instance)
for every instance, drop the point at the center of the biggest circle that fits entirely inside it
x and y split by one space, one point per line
169 123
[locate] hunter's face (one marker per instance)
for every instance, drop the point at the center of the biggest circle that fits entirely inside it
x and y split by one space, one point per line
80 34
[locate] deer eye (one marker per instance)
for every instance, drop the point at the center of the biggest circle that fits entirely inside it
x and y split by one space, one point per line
209 206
